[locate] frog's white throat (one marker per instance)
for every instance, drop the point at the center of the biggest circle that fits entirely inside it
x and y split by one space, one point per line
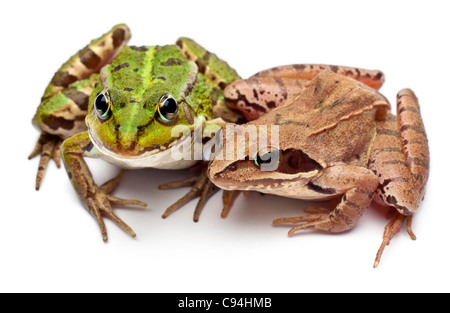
158 158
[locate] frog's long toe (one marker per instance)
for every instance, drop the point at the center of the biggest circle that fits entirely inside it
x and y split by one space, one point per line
101 204
47 147
201 187
392 228
315 220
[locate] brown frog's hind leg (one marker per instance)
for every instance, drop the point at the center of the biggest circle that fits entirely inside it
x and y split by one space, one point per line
271 88
400 159
357 184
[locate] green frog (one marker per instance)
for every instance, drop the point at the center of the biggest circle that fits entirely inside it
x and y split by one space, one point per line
123 104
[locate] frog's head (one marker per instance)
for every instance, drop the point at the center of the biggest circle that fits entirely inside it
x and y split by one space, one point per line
261 157
142 96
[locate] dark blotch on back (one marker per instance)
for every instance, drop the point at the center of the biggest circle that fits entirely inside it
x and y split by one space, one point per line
299 67
334 68
172 61
120 66
139 49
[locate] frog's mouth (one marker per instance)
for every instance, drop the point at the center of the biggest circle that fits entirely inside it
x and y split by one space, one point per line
163 157
294 168
176 154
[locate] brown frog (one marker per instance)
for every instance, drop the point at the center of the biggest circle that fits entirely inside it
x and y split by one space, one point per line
337 140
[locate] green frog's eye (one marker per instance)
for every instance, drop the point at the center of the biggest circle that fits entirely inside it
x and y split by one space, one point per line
103 105
268 158
167 108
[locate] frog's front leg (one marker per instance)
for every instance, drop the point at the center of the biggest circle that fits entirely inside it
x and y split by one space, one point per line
217 75
200 184
202 187
357 184
97 200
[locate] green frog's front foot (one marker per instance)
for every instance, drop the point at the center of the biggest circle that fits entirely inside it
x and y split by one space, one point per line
201 187
99 203
47 147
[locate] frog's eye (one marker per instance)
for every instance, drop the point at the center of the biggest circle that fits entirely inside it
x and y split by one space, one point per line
267 158
103 105
167 108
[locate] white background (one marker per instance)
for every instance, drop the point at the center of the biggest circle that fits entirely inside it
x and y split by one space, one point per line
48 242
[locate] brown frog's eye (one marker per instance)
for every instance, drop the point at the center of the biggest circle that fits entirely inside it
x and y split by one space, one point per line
103 105
167 108
267 158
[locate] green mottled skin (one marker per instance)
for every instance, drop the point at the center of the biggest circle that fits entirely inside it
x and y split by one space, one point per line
218 67
135 81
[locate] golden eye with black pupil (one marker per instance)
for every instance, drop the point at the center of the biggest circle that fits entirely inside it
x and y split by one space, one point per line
102 105
167 108
267 156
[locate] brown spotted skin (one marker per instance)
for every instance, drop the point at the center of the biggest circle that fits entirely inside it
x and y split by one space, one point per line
358 147
270 88
400 156
255 97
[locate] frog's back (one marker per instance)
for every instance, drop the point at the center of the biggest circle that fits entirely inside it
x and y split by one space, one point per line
333 119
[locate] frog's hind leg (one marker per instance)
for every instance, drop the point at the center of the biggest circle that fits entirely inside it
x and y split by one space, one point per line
372 78
47 147
201 187
357 184
217 74
400 158
59 117
89 60
271 88
63 106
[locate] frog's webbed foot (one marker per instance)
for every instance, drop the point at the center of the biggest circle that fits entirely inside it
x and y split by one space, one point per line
392 228
47 147
100 201
318 218
201 187
357 186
